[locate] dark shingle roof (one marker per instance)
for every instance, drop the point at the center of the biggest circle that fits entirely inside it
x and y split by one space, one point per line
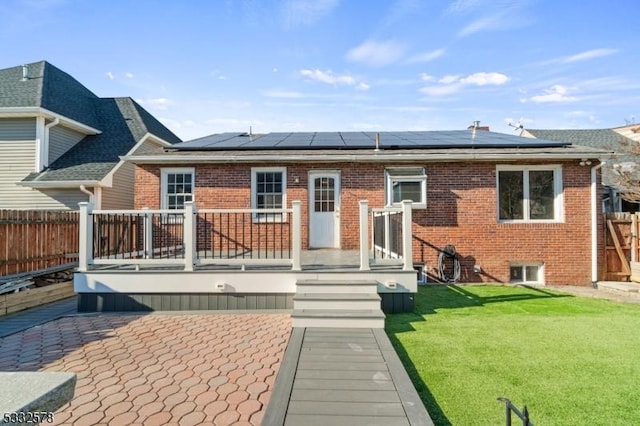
121 121
48 87
596 138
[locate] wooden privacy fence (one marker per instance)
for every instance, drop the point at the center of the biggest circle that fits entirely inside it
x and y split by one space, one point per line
621 251
32 240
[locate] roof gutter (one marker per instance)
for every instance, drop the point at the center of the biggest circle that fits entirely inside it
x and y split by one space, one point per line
378 157
29 112
61 184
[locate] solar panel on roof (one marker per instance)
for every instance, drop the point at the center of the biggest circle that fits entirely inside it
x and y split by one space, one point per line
362 140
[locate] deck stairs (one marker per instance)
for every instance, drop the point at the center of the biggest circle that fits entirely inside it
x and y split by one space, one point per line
337 303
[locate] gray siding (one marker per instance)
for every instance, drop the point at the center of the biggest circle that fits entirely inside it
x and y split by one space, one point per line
119 302
62 139
148 148
120 196
17 129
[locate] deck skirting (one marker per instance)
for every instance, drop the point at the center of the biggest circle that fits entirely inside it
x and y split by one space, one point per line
147 302
121 302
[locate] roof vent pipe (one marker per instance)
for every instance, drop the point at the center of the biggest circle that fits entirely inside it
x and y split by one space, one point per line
377 141
25 73
476 124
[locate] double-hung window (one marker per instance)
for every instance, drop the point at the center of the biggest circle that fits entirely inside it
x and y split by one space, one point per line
529 193
268 191
406 183
176 187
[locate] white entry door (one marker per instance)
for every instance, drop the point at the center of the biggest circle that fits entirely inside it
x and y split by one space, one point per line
324 209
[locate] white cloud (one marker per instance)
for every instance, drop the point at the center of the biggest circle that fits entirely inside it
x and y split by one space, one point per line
328 77
426 56
589 54
110 75
377 53
307 12
129 75
450 84
160 104
275 69
485 78
426 77
556 93
448 79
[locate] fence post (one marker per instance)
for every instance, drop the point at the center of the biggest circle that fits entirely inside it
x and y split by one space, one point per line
189 237
85 244
364 235
147 232
407 236
296 236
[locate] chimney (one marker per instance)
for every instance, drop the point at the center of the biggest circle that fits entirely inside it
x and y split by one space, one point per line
25 73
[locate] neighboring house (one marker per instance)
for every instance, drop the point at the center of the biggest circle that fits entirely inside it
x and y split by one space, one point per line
60 144
515 209
619 141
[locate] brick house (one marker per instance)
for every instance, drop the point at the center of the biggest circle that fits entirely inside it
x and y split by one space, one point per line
516 210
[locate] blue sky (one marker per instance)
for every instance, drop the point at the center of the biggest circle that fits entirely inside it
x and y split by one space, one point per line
205 67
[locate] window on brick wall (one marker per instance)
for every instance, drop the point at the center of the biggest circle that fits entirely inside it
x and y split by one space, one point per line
177 187
406 183
268 191
529 193
526 273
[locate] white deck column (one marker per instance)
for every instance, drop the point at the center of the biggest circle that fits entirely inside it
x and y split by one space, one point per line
364 235
189 238
407 236
85 255
147 231
296 235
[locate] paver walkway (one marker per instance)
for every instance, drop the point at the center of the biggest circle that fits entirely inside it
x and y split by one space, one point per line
157 369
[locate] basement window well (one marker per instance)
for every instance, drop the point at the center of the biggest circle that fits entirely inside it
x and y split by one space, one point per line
528 273
406 183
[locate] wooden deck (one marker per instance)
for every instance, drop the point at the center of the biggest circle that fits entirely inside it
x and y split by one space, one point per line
338 376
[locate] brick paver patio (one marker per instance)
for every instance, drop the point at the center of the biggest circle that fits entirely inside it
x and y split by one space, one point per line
158 369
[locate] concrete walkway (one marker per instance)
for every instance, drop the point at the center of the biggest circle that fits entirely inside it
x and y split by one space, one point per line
338 376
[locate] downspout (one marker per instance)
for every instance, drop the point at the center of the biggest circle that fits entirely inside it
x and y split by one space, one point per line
89 193
594 224
45 145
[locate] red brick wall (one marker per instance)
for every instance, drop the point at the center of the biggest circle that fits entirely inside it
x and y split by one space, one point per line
461 210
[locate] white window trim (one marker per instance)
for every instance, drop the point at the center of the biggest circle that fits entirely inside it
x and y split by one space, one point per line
523 265
164 173
389 179
254 195
558 192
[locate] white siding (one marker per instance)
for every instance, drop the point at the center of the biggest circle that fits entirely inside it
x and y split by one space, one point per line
61 139
17 129
120 196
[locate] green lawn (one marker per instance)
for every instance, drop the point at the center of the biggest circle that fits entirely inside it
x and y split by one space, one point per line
571 360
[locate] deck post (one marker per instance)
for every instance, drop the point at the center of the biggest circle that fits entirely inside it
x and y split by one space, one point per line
364 235
296 235
407 236
147 231
85 255
189 238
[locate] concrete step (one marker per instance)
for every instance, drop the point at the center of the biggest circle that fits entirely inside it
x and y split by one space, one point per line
348 301
332 318
337 286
